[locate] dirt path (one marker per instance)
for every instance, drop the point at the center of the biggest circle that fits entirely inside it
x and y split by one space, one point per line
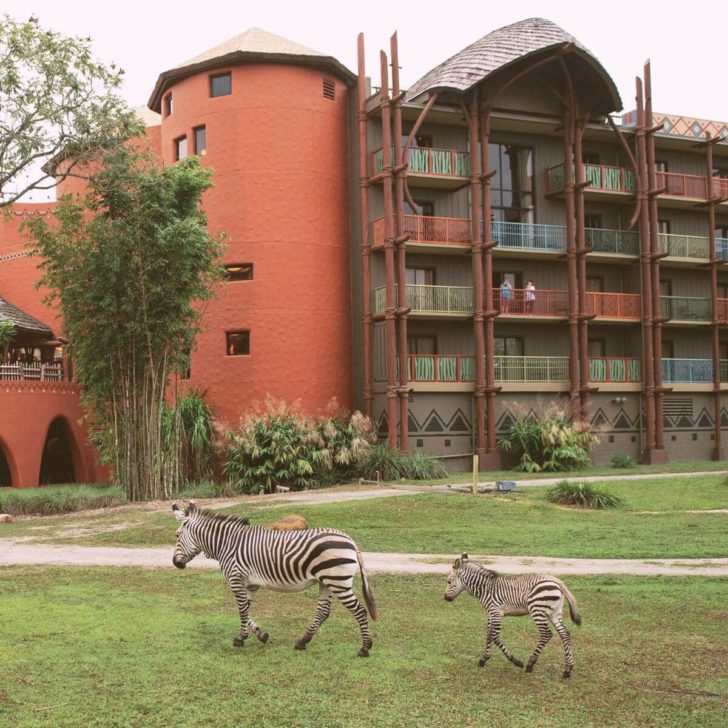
13 552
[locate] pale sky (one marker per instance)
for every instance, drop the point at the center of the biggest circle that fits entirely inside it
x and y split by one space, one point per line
684 42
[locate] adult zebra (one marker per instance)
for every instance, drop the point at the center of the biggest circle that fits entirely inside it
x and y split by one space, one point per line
540 596
252 557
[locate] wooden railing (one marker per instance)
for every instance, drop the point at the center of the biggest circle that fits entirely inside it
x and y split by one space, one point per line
427 160
36 372
601 176
685 246
614 305
430 299
686 308
620 242
614 369
528 235
520 302
441 368
424 229
721 310
531 369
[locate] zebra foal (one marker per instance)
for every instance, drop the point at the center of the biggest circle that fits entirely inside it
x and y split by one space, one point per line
540 596
252 557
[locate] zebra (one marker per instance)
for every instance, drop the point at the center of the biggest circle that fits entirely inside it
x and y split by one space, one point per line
540 596
252 557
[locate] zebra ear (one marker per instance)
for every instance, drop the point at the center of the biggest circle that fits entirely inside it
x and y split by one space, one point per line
179 514
456 564
191 508
464 557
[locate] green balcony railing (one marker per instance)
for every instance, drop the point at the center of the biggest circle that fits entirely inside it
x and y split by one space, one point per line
686 308
430 299
441 368
620 242
602 177
685 246
427 160
614 369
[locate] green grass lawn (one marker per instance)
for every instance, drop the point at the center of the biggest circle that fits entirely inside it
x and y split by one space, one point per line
652 524
150 648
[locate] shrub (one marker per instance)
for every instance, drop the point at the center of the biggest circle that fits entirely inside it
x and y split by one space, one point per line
551 442
620 460
583 495
52 499
394 464
280 446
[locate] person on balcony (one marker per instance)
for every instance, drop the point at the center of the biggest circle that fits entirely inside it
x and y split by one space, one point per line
506 293
530 296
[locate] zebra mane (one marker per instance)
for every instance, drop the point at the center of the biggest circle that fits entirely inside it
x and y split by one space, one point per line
480 569
222 517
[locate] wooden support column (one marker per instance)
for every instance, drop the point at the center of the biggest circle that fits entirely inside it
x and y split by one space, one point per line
400 242
492 459
366 248
479 289
646 283
389 237
660 454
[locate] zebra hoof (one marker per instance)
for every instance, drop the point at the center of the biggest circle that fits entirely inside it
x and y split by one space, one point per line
482 661
263 637
517 663
239 641
567 673
529 668
300 645
363 652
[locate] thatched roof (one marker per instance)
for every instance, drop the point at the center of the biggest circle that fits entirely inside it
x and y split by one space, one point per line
254 45
501 49
22 321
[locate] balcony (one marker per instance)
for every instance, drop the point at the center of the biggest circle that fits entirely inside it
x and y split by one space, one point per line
429 167
622 306
527 236
602 178
431 300
430 232
611 369
441 368
35 372
545 303
692 371
686 308
689 186
613 242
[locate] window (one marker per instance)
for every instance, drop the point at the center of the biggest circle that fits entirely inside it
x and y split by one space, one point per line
168 104
595 348
329 89
723 350
239 271
663 227
200 138
668 349
420 276
180 148
425 209
660 165
221 85
720 172
590 158
515 279
422 344
595 283
421 141
511 191
508 346
237 343
666 288
593 221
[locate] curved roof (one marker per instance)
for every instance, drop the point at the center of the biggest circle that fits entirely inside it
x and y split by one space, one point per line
21 320
500 49
252 45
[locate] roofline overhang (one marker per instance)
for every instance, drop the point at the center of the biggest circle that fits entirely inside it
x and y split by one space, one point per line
168 78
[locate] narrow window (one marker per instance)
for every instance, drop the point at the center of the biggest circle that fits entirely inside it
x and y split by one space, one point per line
238 343
200 137
239 272
180 148
168 104
660 165
221 85
329 89
593 221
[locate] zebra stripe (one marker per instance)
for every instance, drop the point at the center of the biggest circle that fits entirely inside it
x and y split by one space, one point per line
252 557
540 596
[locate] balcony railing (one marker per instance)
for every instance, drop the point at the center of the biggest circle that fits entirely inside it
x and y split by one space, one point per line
36 372
614 305
427 160
521 302
621 242
430 299
423 229
527 235
686 308
525 369
691 371
721 310
684 246
601 177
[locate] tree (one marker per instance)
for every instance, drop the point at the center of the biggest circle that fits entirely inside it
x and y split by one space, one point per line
130 269
7 334
56 102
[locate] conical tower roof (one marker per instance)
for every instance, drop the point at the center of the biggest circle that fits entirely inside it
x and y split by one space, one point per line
253 45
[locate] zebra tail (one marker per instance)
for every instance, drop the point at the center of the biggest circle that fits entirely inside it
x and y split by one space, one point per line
368 596
573 609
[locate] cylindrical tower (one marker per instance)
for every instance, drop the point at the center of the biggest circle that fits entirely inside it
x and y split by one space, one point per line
271 118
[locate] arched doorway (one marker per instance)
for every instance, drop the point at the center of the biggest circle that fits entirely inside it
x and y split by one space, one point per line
6 478
57 464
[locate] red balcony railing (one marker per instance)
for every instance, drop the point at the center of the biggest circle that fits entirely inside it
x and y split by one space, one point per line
614 369
521 302
682 185
441 368
436 230
614 305
721 310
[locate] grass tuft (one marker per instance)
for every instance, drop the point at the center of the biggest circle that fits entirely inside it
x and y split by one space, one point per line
583 495
53 499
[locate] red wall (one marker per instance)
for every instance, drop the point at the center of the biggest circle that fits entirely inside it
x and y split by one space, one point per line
279 150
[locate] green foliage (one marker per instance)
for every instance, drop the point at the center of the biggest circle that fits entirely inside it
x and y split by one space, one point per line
551 442
54 98
280 446
53 499
7 334
393 464
583 495
128 269
621 460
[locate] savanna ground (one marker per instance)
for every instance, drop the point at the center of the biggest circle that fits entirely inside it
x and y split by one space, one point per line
153 647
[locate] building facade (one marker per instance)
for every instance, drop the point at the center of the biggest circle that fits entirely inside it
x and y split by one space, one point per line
483 244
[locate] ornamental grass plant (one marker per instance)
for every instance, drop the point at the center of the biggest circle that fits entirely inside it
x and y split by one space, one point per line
582 495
